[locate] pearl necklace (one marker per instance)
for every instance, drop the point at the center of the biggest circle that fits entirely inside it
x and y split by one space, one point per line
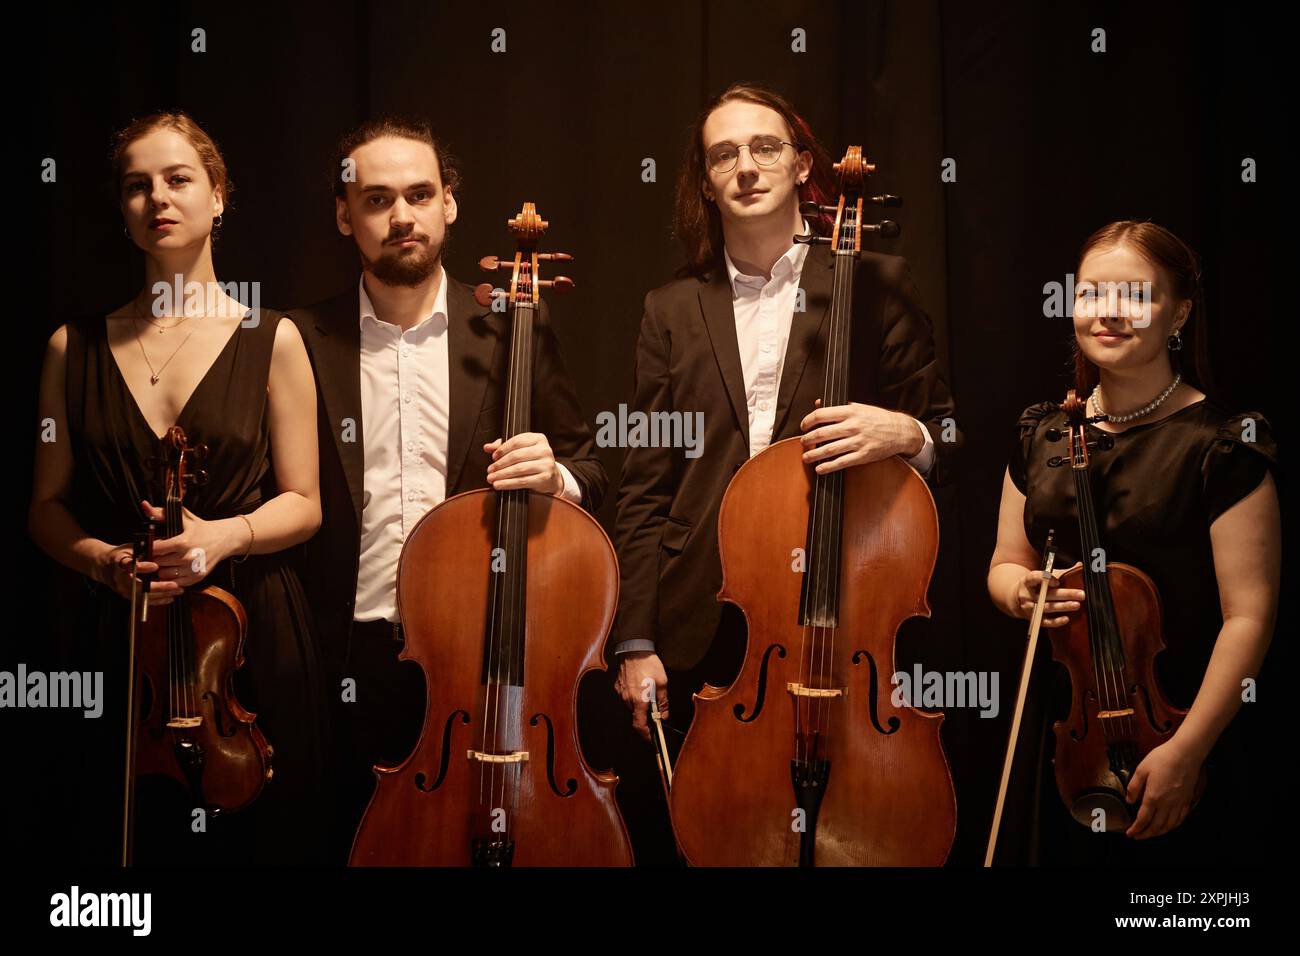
1144 410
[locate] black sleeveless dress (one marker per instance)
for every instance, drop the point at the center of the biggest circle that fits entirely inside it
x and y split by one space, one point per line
281 679
1158 491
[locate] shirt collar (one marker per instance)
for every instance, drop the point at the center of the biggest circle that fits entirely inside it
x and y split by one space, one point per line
439 303
794 256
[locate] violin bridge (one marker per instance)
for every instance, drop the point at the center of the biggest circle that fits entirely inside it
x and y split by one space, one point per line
519 756
799 690
180 723
1126 712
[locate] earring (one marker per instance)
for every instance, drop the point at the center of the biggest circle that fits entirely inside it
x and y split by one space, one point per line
1175 341
216 223
126 232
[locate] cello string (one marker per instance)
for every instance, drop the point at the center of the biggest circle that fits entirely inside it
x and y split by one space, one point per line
496 622
845 265
521 356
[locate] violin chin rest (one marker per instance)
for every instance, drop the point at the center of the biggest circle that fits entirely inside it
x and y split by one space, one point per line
1117 814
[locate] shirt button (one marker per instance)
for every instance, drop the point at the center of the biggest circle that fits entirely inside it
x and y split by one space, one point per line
410 496
763 406
405 352
767 348
410 446
407 398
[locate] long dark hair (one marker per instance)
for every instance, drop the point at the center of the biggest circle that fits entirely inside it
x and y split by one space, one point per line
696 221
1175 258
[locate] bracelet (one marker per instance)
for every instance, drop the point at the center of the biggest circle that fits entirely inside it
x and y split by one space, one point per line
252 536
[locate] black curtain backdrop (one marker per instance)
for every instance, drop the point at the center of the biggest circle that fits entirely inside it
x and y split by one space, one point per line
1050 140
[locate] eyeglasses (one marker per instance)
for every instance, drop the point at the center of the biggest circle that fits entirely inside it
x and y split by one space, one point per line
764 150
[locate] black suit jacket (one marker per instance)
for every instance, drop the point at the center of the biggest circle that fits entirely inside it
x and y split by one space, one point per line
688 360
478 345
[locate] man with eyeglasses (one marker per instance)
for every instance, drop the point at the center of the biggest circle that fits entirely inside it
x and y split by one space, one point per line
741 337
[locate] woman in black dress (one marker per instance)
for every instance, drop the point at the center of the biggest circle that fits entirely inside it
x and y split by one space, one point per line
239 381
1185 494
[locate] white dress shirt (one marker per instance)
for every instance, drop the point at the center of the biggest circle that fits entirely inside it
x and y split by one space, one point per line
764 310
405 415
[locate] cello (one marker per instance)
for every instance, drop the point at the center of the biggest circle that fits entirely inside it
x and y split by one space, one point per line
1118 713
183 719
506 599
821 769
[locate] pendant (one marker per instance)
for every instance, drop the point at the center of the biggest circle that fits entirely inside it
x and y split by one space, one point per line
153 379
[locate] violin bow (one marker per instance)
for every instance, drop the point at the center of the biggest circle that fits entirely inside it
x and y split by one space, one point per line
1035 625
141 548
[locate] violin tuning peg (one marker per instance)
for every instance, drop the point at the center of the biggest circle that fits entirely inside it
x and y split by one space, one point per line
1105 443
484 293
886 200
1052 434
199 477
559 284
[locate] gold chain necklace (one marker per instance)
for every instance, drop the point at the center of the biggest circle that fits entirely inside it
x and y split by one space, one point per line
155 374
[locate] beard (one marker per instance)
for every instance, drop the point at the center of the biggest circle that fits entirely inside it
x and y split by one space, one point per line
408 267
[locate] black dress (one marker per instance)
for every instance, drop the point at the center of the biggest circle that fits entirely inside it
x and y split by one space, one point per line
281 678
1157 491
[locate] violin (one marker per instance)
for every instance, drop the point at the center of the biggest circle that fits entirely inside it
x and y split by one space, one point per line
184 721
821 769
506 600
1118 713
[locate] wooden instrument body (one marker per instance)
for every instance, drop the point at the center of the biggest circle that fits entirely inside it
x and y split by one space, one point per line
427 810
1083 757
236 759
889 798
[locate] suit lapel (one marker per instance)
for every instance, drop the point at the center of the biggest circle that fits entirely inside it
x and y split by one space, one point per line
805 328
338 373
473 332
720 320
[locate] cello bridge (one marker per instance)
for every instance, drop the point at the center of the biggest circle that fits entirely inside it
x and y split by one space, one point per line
799 690
182 723
1126 712
519 756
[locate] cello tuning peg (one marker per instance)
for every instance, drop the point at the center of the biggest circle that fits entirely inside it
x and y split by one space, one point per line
886 229
484 293
554 257
814 240
810 208
887 199
559 284
1052 434
489 263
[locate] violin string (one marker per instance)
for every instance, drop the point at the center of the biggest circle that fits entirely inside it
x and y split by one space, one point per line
1103 671
1114 654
